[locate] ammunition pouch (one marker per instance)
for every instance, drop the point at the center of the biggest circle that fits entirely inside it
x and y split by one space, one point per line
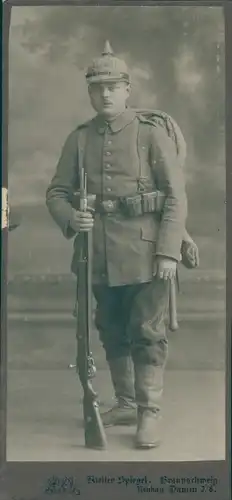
143 203
130 206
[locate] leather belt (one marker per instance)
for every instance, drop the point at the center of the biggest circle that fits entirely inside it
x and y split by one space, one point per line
131 206
138 204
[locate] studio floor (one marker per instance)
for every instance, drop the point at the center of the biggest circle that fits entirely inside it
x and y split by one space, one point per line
44 415
44 411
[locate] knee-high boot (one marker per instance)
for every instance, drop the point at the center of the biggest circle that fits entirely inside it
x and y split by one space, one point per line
149 389
125 410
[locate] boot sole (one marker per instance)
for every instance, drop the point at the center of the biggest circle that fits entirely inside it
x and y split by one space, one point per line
147 446
121 424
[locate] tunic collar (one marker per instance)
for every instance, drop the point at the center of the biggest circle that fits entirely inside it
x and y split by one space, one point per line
117 124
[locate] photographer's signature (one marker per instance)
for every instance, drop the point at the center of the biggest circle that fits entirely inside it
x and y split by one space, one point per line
56 485
65 484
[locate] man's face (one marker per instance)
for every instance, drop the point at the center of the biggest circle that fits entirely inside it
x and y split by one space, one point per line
109 98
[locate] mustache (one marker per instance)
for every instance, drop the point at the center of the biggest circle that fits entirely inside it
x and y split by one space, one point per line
106 101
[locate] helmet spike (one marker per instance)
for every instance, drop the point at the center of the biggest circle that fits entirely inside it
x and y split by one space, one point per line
107 49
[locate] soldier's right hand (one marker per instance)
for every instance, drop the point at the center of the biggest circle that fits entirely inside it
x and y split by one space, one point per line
81 221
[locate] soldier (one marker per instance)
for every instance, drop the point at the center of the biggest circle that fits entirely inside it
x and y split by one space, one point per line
135 249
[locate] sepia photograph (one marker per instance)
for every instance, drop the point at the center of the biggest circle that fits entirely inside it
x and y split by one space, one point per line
116 286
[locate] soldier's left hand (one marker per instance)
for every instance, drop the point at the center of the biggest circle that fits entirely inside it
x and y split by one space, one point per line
166 268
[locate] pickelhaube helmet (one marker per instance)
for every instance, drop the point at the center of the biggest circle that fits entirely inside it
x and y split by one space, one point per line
107 67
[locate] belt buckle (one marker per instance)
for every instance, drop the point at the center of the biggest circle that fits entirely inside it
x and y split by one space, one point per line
108 206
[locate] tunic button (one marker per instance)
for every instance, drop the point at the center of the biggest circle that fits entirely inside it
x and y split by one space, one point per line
108 153
108 177
109 189
109 142
108 165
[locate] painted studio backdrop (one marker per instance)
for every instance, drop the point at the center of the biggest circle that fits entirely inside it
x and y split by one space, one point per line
176 57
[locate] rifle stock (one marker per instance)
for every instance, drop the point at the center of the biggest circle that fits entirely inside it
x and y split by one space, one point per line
94 431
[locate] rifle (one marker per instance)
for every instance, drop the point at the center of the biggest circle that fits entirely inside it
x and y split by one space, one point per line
94 431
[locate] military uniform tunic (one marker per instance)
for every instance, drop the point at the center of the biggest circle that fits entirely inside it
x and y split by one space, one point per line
122 158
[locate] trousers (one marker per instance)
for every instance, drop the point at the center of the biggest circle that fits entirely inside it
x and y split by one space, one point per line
130 320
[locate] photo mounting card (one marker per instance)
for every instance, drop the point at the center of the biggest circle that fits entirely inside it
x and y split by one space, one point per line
129 91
